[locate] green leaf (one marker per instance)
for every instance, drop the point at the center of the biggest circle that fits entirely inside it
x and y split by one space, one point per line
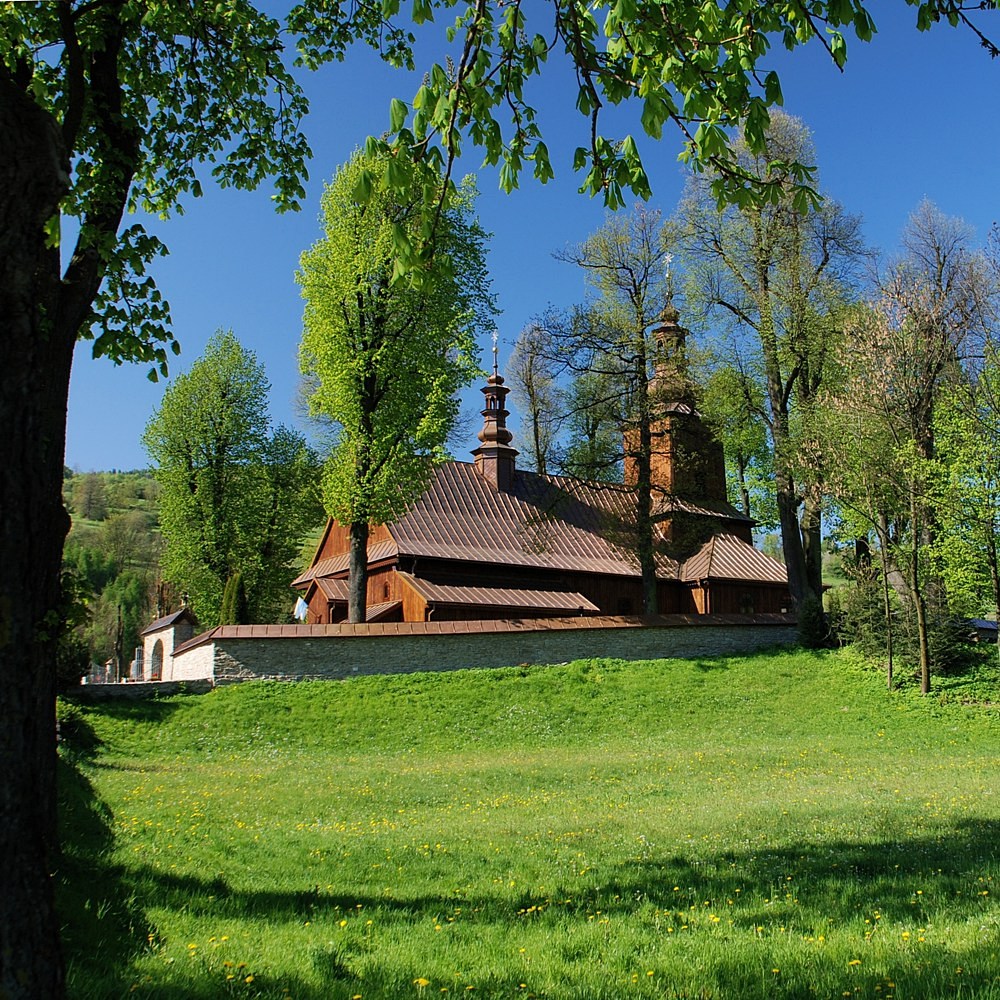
397 114
772 89
838 49
362 192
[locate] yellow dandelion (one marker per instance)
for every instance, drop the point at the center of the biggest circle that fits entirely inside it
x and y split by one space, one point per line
421 982
249 979
854 961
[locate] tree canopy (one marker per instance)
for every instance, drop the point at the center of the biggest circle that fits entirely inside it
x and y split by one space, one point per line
700 68
384 358
236 498
780 276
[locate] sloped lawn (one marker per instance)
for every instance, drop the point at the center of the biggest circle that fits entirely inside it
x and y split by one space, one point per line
774 826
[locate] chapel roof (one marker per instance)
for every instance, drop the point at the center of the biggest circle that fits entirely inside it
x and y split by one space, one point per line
172 619
544 522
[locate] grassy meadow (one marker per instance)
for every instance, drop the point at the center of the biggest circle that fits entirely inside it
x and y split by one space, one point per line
772 826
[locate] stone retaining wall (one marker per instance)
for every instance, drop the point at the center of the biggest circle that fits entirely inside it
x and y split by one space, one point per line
357 650
233 653
143 689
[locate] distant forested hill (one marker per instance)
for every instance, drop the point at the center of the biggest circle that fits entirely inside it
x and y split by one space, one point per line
111 564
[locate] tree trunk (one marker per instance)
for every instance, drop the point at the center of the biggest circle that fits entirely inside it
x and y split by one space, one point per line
812 542
917 593
120 672
778 401
645 526
741 476
991 549
791 543
36 351
357 576
883 546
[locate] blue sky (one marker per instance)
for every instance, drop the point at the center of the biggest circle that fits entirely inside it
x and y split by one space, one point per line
912 117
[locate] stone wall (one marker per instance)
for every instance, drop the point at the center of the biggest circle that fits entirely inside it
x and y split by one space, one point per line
197 662
233 654
142 689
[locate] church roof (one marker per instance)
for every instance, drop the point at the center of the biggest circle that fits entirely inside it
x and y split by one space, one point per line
545 522
377 552
501 597
725 557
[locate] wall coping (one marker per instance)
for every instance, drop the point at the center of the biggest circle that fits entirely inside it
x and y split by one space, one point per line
344 630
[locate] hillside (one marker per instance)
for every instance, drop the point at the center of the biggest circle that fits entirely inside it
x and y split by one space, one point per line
773 826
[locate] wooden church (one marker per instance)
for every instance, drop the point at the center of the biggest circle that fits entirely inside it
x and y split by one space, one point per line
488 540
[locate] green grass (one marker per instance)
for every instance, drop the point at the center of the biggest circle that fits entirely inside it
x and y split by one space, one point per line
774 826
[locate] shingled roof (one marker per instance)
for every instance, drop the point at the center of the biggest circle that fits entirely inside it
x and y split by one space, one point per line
545 522
725 557
501 597
377 552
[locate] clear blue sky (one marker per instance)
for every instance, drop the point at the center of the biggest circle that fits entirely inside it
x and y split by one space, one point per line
913 116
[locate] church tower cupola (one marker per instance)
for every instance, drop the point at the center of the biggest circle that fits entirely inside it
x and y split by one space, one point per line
671 379
495 456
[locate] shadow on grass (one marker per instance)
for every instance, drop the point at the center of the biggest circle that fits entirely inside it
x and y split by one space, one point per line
902 879
103 924
138 710
804 889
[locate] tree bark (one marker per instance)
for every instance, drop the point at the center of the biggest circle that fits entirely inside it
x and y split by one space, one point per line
645 527
36 350
357 577
791 542
918 595
883 548
812 541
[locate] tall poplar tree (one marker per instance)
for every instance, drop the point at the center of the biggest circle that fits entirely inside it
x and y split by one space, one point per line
384 353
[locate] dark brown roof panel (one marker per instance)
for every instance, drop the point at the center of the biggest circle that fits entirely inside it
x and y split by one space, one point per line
338 564
544 522
332 590
726 557
501 597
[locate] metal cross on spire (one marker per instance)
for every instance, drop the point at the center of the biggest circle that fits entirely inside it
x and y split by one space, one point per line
496 369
